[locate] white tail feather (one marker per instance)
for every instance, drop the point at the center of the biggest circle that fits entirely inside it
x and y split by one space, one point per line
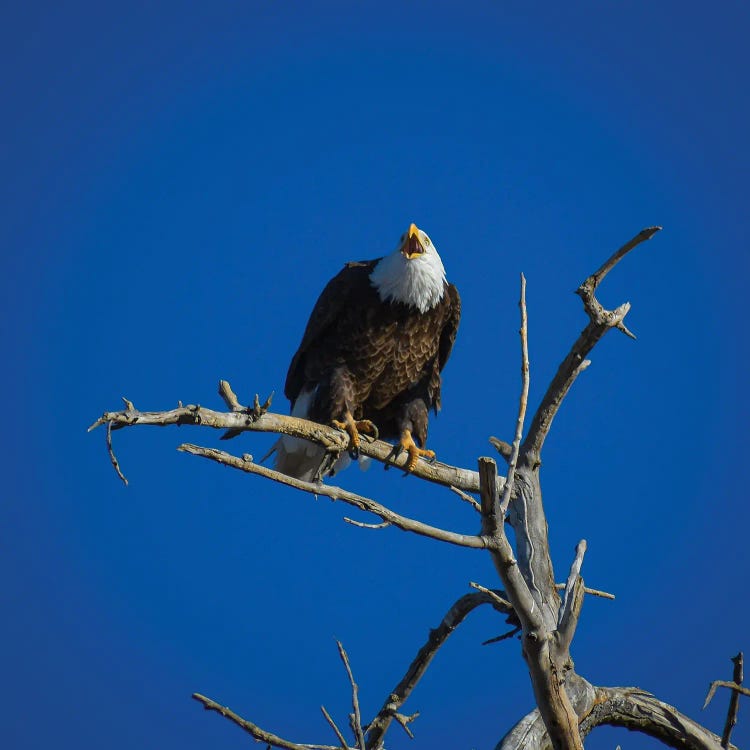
300 458
301 462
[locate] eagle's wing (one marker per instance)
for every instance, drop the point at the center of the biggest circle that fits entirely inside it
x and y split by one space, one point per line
445 345
448 334
339 293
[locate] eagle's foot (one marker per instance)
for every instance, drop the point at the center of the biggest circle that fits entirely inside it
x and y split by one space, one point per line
406 443
356 430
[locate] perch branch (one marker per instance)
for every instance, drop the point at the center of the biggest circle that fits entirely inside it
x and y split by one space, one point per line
437 637
600 321
261 735
338 493
245 420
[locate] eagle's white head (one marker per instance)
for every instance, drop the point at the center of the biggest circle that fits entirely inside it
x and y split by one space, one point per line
413 273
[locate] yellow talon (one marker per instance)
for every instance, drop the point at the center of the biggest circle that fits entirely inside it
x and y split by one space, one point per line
354 429
406 443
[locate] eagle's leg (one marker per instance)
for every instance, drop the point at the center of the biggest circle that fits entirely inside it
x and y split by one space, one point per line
354 429
406 443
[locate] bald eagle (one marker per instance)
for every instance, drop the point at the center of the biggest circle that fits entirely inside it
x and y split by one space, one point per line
372 353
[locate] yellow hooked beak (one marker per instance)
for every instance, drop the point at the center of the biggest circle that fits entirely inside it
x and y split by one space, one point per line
412 246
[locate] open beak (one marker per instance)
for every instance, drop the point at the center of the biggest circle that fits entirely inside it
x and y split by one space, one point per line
412 247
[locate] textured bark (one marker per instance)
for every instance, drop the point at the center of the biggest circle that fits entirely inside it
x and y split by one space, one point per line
639 711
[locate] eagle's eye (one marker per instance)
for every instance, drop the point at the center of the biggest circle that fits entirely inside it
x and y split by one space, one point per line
427 241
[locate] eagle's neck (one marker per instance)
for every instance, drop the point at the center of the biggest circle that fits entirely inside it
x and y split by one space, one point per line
419 282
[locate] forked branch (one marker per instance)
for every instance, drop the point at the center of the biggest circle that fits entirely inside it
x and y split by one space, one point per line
600 321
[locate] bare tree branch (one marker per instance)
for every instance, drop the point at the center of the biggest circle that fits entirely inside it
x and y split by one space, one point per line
734 700
356 717
640 711
246 420
600 321
503 637
544 662
590 592
570 608
112 457
361 525
726 684
261 735
628 707
496 598
522 402
437 637
338 493
336 730
467 498
503 448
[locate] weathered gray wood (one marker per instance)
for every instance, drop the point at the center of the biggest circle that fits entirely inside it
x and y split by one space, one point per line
640 711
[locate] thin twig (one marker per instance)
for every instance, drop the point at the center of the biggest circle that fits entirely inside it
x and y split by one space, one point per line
466 497
724 683
112 456
261 735
338 493
523 401
383 525
589 592
495 597
336 730
357 723
404 722
228 396
610 263
734 700
502 637
503 448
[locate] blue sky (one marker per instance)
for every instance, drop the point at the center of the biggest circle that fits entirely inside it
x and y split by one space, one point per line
181 181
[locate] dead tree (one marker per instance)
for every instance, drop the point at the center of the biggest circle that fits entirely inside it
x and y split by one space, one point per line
568 706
